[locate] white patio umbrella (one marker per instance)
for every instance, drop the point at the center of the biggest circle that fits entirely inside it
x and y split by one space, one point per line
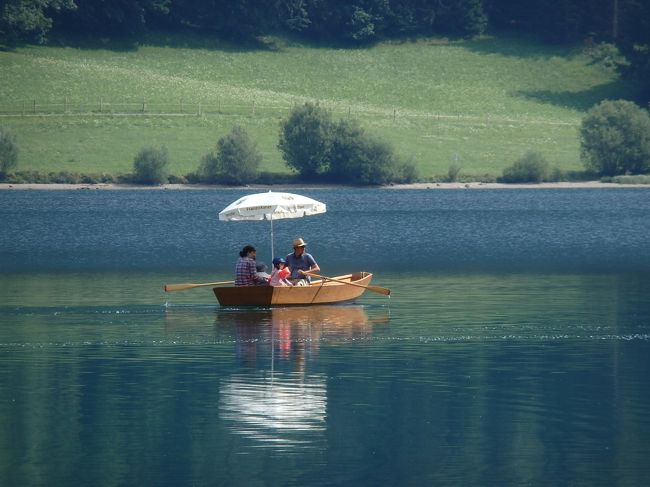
271 206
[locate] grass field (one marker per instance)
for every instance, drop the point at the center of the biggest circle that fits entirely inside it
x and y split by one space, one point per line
480 104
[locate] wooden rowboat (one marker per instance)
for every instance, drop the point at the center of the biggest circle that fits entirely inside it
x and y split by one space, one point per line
325 291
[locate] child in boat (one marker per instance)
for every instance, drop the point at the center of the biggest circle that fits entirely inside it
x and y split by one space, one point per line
261 276
280 274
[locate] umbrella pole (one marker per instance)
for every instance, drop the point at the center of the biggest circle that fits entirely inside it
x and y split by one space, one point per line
272 255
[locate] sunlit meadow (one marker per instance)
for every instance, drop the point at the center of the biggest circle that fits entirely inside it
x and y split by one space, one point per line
478 104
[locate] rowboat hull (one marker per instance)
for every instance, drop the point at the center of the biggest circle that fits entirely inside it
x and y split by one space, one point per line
318 292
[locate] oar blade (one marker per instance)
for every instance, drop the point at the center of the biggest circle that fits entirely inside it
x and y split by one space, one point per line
379 289
178 287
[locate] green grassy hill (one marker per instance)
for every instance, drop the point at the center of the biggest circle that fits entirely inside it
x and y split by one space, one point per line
481 103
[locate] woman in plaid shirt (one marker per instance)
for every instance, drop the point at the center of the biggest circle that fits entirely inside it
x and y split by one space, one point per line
245 268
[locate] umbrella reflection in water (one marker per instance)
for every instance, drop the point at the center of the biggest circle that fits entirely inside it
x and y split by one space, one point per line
279 410
287 409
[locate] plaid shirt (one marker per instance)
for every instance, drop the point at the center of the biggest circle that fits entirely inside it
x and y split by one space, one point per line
245 272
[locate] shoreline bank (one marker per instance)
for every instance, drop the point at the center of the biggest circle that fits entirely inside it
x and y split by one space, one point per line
281 187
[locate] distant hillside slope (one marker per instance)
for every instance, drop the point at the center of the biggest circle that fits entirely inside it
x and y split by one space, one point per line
480 104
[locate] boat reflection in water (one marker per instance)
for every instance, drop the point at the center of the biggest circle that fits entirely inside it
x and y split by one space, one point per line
280 403
295 333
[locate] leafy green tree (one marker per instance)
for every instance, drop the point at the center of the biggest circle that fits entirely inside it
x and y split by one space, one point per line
23 20
347 152
317 147
408 18
361 25
8 152
305 139
453 173
615 139
150 166
464 18
356 157
238 20
236 160
293 14
531 168
115 19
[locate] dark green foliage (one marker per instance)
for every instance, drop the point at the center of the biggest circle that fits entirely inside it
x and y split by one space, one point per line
615 139
453 173
407 173
22 20
634 42
238 20
8 152
27 177
265 177
59 177
557 21
462 18
174 179
305 139
362 21
531 168
150 166
236 160
361 25
638 179
115 19
626 23
341 21
347 150
557 175
293 14
341 152
608 56
638 67
356 157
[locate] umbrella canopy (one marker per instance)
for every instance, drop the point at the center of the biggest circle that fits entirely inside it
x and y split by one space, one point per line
271 206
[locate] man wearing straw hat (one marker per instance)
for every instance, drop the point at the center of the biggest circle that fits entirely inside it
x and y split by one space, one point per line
300 262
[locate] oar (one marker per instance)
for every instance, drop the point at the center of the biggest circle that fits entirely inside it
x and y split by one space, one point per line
183 287
376 289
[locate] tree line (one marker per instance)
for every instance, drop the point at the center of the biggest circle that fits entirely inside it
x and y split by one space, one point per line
348 21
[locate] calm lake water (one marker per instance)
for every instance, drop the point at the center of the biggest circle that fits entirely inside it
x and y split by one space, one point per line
515 349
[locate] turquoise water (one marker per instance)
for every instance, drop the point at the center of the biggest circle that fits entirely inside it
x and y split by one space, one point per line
515 348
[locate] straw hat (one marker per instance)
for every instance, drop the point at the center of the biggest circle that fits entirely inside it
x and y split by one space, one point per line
299 243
